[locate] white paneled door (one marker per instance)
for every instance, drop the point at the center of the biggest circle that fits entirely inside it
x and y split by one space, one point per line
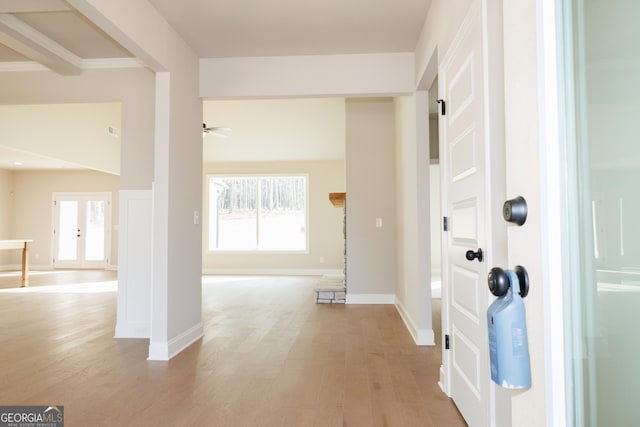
463 152
82 230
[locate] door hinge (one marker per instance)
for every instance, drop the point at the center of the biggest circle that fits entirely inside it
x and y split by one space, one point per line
445 223
446 342
443 108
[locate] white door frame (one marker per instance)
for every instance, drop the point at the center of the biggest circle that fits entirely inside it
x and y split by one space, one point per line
554 208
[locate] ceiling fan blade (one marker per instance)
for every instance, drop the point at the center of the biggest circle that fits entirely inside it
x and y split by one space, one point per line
215 128
218 129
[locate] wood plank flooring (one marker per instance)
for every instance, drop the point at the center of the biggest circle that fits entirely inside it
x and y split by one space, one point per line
270 357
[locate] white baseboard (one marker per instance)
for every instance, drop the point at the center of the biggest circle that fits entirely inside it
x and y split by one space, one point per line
370 298
442 382
420 336
269 271
166 350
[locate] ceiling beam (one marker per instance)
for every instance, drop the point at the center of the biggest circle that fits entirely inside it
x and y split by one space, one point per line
31 6
36 46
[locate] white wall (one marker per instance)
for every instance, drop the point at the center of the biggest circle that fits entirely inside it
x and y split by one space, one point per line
523 178
292 76
325 222
371 194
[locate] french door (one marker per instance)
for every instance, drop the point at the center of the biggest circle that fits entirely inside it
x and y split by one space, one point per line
82 230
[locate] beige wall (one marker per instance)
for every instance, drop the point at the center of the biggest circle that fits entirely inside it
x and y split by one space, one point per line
370 178
32 210
325 221
6 212
75 133
412 200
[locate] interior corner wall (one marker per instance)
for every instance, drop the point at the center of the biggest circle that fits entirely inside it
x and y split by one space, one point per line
6 212
412 201
440 27
371 188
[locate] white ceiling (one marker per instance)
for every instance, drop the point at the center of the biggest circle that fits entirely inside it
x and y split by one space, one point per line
217 28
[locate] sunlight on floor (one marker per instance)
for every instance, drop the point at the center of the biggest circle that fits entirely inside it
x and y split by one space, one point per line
225 279
74 288
33 273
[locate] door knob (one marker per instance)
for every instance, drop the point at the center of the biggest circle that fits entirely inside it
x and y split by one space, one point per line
499 282
471 255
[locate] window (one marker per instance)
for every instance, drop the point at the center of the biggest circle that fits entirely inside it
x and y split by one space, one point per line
265 213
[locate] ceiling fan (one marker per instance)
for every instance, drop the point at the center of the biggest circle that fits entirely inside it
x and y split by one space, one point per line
215 130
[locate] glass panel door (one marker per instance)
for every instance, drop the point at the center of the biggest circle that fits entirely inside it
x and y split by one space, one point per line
68 230
604 292
94 247
82 230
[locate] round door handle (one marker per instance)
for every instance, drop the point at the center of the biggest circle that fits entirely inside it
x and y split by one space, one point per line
471 255
498 282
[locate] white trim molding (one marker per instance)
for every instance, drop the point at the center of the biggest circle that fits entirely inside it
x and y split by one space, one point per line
165 350
370 298
420 336
134 259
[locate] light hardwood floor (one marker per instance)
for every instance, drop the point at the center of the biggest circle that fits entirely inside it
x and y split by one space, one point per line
270 357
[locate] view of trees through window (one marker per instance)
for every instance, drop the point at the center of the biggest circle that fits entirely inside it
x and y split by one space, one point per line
257 213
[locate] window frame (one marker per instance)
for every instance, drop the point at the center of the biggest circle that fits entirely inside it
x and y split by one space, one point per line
256 251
